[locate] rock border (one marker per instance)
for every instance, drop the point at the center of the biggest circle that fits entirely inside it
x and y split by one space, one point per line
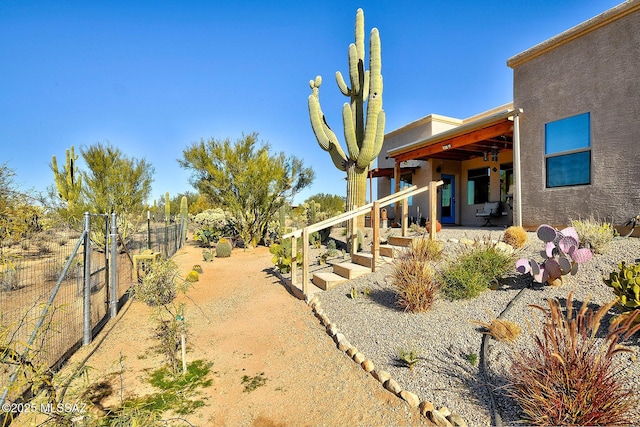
442 417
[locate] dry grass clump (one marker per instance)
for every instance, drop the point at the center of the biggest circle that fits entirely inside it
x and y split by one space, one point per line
515 236
414 277
502 330
415 282
571 378
594 234
426 249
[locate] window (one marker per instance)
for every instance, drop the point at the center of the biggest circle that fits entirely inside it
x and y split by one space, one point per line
405 182
506 181
567 148
478 186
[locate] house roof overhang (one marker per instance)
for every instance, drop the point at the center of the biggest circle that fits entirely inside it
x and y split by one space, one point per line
472 139
388 172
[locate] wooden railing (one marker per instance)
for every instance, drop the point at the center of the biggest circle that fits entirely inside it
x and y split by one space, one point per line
350 216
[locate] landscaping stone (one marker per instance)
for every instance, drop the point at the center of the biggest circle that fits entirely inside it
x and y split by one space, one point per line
368 365
344 345
358 358
425 407
381 376
324 319
393 386
457 420
332 329
444 411
411 398
438 419
352 351
338 337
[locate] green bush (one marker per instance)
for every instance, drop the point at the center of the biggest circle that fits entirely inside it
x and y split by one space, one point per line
475 267
594 234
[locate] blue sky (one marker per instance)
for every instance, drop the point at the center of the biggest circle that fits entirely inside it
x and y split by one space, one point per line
153 77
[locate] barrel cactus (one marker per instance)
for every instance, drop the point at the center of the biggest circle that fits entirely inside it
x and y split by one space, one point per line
626 285
562 256
223 248
192 276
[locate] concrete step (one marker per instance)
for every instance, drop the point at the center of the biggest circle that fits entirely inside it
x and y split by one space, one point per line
366 259
391 251
400 241
350 270
327 280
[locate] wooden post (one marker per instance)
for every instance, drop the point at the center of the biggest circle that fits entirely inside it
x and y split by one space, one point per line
433 208
305 260
294 260
405 216
396 182
353 233
375 224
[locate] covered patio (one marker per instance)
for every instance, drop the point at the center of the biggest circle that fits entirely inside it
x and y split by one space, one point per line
474 144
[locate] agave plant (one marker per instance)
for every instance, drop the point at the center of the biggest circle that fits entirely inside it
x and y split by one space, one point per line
562 255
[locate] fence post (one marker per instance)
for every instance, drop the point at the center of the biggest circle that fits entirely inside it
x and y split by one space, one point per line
405 215
305 260
294 260
375 224
148 229
433 209
86 336
113 268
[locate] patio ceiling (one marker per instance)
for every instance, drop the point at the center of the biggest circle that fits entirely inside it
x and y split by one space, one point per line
464 142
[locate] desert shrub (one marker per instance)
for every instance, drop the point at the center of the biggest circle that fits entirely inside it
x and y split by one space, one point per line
426 249
570 378
475 267
415 282
160 285
209 226
515 236
593 234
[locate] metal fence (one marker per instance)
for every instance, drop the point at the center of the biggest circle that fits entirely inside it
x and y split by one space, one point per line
59 287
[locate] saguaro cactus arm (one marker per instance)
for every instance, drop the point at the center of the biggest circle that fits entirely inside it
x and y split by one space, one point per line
327 139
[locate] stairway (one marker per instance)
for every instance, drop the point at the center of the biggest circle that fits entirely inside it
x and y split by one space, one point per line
360 264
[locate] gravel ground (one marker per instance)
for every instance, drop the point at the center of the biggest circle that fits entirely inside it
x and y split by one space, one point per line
446 339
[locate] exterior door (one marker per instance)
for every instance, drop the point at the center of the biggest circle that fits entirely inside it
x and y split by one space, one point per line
448 200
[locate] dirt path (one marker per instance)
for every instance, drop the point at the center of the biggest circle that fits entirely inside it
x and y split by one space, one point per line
243 320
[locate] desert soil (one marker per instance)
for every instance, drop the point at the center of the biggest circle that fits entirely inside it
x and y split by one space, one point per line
243 319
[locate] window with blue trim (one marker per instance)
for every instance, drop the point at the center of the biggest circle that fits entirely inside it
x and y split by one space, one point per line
567 146
405 182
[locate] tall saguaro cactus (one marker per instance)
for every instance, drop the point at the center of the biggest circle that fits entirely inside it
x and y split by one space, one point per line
363 132
68 180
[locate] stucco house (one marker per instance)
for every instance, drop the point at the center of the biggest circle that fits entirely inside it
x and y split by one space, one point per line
567 147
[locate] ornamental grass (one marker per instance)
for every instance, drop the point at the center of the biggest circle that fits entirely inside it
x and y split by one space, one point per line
572 376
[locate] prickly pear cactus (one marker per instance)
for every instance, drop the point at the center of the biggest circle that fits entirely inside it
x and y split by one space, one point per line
561 255
363 130
626 285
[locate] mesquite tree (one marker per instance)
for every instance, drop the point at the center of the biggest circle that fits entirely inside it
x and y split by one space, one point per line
363 135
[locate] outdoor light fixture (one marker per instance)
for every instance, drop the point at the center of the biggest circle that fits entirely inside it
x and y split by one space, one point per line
485 156
494 154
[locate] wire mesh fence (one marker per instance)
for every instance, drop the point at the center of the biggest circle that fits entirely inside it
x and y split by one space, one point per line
48 281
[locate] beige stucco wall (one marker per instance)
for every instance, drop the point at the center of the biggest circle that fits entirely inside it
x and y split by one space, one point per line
415 131
597 73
